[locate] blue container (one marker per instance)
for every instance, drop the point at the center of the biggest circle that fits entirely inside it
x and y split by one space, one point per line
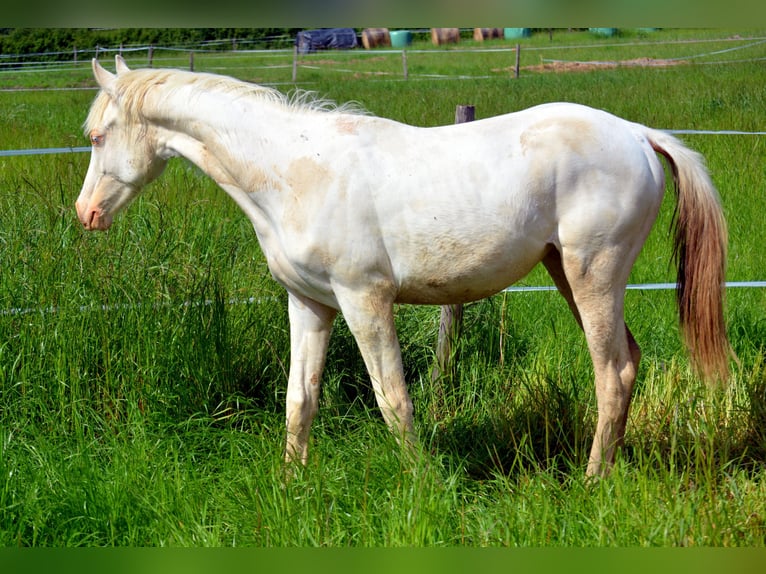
513 33
400 38
606 32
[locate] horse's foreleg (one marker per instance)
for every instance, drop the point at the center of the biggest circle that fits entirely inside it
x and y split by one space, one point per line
370 318
310 327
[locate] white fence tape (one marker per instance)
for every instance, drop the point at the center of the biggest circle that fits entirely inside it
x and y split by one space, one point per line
52 150
42 151
18 311
637 287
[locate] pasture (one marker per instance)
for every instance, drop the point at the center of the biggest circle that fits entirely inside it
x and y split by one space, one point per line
143 370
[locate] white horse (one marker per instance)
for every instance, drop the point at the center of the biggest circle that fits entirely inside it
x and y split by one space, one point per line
356 213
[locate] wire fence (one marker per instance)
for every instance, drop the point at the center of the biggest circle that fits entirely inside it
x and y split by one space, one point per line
56 150
51 62
20 311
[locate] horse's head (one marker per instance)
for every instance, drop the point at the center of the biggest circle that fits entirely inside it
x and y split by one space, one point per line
124 155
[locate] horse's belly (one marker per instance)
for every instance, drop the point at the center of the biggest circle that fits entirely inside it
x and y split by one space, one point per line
453 279
446 294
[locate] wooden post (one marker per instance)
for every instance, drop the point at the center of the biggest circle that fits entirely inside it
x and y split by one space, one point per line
151 55
295 62
75 54
191 61
451 321
404 64
518 60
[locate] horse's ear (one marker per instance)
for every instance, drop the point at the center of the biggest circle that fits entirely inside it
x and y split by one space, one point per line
119 62
104 77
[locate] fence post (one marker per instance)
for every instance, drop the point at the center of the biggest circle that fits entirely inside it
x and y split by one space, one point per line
518 60
295 62
451 321
191 61
404 64
151 55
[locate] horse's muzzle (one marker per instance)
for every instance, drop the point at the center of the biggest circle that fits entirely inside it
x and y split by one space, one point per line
93 218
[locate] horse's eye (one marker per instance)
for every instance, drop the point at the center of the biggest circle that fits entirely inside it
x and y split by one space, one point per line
96 139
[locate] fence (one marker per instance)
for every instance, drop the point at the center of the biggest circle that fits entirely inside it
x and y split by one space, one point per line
51 61
511 289
55 150
746 43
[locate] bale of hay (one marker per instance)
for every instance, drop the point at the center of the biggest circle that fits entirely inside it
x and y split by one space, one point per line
481 34
375 38
441 36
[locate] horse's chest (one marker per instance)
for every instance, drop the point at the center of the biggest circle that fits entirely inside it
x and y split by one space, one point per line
299 276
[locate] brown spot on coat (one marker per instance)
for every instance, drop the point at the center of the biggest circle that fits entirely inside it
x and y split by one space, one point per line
556 133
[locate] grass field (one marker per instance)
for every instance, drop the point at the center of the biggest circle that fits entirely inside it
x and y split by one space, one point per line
143 370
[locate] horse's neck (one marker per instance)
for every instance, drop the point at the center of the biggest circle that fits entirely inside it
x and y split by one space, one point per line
225 136
206 118
244 147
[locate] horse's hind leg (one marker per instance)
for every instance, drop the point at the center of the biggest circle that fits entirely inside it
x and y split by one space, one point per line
615 365
595 293
552 263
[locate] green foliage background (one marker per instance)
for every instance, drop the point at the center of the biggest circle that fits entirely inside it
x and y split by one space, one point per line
59 43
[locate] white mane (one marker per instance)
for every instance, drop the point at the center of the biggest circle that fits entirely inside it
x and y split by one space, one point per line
133 87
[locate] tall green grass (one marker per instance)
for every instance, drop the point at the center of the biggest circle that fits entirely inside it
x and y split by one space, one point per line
142 392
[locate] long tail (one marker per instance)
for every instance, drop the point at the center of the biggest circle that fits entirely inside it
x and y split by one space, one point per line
700 253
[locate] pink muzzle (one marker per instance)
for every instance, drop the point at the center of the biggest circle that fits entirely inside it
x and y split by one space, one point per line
93 218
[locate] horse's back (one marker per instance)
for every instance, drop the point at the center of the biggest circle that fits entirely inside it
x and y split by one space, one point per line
457 213
478 205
